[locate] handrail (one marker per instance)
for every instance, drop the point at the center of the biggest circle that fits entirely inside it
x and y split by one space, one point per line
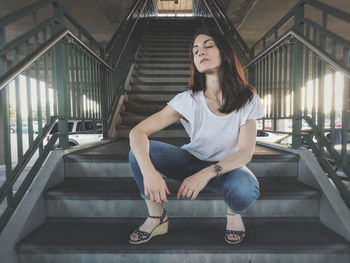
27 10
330 9
315 3
128 37
238 36
24 11
30 59
108 47
85 32
337 65
280 23
241 44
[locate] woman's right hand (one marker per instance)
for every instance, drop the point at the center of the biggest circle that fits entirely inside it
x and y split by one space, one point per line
155 187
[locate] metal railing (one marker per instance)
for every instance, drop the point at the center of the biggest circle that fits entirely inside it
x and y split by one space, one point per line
303 76
53 74
209 9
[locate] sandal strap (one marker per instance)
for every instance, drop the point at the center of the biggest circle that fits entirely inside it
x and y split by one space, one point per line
238 233
161 217
232 214
141 235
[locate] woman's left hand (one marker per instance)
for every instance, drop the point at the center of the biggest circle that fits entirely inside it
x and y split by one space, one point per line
193 184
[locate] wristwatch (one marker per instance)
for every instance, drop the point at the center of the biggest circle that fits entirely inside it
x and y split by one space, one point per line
218 169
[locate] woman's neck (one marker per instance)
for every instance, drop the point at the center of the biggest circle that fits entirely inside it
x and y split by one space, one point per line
213 87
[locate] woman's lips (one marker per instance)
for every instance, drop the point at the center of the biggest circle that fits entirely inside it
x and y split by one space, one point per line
203 60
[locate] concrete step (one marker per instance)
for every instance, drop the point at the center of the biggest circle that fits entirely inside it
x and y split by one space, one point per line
152 78
167 40
163 64
162 59
133 109
165 49
104 160
182 53
118 197
168 87
183 56
188 240
162 71
165 45
161 96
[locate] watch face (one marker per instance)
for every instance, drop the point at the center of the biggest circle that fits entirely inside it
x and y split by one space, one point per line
218 168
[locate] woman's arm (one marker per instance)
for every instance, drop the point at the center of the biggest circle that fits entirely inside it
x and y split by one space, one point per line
154 185
246 146
192 185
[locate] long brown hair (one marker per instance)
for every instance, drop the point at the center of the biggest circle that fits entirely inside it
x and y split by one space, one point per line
235 89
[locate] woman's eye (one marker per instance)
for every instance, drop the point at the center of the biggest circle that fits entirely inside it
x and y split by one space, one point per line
209 46
196 52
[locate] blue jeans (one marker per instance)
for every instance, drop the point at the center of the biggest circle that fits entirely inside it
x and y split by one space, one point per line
239 187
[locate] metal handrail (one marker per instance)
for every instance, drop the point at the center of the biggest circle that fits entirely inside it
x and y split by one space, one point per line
321 6
108 47
241 43
337 65
128 37
24 11
35 55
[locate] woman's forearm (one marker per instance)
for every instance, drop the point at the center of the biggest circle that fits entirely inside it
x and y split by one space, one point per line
139 145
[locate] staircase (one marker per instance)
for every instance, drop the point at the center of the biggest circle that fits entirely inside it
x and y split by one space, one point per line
92 213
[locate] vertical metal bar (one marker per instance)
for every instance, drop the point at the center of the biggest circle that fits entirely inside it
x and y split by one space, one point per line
297 74
84 86
46 80
29 99
306 77
279 85
3 108
94 84
5 140
38 92
61 81
88 93
345 112
79 84
103 92
19 131
332 114
99 87
74 81
86 90
275 86
54 80
285 72
68 55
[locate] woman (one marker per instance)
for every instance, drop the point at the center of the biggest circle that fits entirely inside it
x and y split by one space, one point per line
219 103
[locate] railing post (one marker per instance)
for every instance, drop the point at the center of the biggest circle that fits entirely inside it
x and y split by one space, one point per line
104 109
297 78
61 79
2 93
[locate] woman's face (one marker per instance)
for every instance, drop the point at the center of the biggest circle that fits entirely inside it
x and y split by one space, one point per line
206 54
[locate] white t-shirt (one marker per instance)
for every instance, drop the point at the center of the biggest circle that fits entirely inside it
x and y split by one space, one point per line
213 137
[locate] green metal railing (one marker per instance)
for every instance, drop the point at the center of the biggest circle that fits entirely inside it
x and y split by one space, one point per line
210 10
53 73
301 70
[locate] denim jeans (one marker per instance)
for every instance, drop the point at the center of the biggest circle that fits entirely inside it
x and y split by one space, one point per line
239 187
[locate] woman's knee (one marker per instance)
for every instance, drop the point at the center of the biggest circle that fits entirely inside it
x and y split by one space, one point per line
242 190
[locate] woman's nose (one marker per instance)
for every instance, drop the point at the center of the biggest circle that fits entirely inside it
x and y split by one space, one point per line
201 51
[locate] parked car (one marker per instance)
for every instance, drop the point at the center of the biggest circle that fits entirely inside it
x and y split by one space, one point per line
80 138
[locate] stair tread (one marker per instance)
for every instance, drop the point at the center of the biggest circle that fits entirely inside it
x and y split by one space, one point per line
118 150
186 235
125 188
